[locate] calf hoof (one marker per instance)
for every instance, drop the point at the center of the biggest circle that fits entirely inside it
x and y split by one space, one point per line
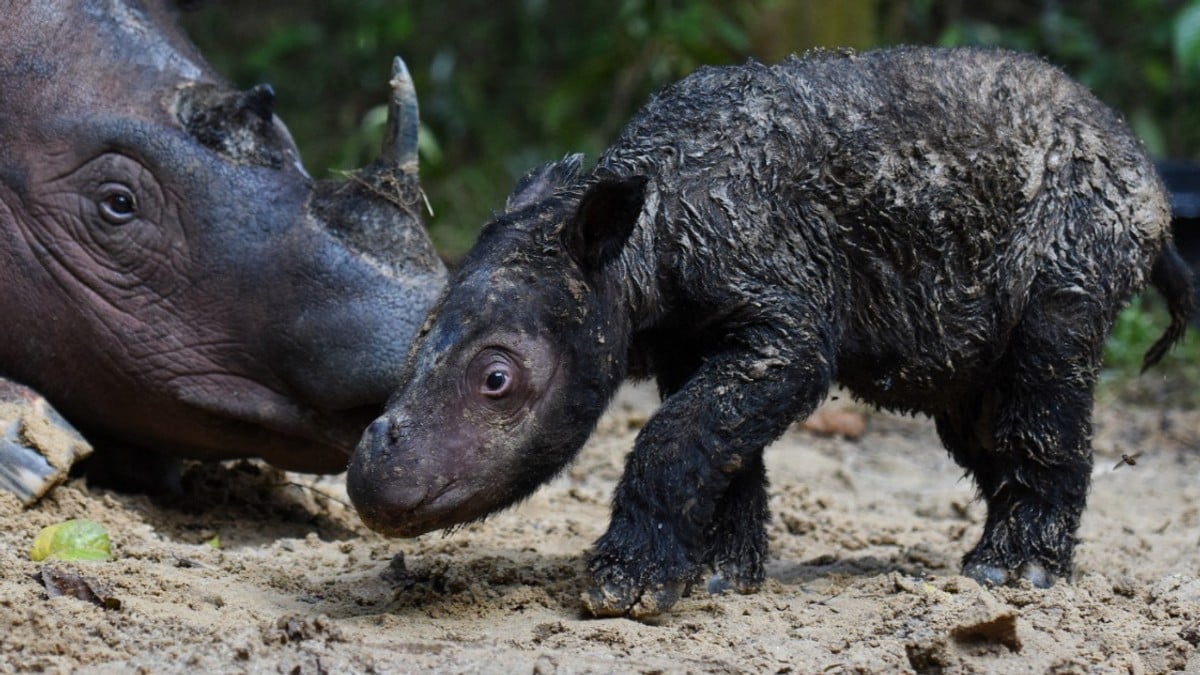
720 583
993 575
632 600
1036 574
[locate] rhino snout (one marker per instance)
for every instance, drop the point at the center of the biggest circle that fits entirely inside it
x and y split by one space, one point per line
389 485
348 355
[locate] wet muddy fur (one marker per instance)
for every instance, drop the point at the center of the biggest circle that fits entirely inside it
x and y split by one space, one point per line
943 232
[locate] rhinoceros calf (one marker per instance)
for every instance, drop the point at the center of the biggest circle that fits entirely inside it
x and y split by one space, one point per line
172 278
944 232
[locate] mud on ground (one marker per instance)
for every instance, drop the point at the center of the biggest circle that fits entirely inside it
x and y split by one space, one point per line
865 542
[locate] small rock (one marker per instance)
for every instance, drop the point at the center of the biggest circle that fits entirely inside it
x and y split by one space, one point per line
992 623
836 422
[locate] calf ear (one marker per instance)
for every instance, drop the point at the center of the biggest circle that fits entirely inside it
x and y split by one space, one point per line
542 182
606 216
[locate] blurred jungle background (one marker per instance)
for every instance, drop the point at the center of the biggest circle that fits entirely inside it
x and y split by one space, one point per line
505 85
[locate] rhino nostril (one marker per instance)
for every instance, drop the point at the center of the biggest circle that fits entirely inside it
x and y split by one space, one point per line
384 432
378 429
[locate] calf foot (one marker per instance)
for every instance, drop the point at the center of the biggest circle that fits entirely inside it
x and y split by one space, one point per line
995 575
736 559
737 581
1025 540
737 538
1007 556
639 584
629 598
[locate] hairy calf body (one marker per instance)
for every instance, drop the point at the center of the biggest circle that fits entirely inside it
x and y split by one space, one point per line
944 232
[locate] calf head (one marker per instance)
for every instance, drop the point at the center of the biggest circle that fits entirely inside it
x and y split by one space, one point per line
515 365
172 276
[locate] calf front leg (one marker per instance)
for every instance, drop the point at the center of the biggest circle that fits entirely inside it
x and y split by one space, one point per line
737 538
703 438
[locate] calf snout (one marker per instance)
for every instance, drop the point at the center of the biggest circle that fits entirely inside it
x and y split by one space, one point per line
381 481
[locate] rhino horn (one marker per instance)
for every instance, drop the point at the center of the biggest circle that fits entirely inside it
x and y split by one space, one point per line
400 138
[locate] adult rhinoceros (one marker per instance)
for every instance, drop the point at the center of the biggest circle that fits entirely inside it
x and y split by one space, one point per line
171 279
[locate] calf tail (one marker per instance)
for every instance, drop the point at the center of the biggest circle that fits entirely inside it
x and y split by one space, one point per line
1172 277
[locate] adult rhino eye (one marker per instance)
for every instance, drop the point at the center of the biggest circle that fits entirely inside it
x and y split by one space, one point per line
117 205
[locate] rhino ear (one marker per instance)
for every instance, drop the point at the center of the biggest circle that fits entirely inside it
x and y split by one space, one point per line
606 216
541 183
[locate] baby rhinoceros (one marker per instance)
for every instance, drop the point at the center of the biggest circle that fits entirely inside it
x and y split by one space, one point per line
950 232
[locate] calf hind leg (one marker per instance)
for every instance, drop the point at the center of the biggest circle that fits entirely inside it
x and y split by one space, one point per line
1027 442
737 540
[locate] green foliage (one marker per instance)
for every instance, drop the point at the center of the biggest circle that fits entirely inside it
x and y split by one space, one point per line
1140 56
505 85
1187 39
508 84
1171 380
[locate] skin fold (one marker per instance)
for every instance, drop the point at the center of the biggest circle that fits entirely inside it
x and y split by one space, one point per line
174 281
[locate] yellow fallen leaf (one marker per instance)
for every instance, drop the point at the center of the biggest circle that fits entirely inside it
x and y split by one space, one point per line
78 539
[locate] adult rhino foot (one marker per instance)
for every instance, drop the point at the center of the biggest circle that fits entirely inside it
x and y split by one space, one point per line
127 468
37 446
994 575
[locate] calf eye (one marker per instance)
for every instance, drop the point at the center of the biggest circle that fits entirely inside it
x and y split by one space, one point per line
498 381
495 375
117 205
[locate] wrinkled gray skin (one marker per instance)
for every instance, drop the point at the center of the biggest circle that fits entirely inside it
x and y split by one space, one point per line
173 280
943 232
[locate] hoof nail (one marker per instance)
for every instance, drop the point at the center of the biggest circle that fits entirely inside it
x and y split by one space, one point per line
1036 574
717 585
990 576
605 600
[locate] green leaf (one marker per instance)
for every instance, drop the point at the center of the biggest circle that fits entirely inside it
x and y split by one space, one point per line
1148 129
78 539
1187 37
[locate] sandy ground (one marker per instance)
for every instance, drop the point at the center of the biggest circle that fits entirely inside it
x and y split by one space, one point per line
865 542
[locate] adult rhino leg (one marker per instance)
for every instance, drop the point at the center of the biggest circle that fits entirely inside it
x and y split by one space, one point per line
38 447
131 468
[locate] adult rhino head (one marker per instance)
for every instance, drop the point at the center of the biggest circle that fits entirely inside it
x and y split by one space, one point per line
170 276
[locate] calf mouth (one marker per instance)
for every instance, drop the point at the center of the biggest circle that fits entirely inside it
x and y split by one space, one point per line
412 510
399 492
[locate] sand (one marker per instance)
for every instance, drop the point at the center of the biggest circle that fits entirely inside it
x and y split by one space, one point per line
865 542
